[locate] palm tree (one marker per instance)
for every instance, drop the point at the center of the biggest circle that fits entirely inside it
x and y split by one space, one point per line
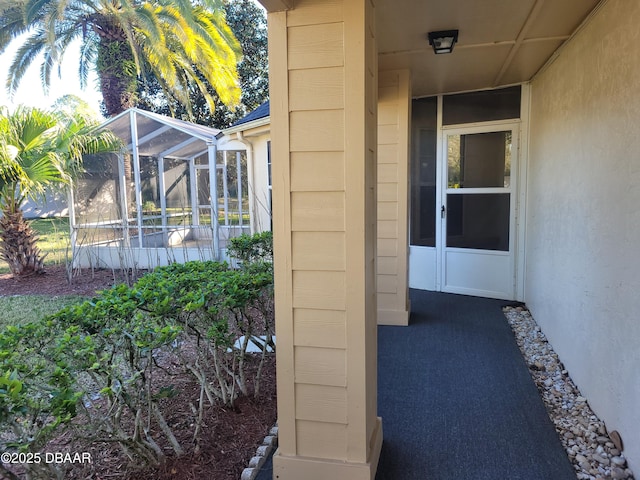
180 41
248 22
38 149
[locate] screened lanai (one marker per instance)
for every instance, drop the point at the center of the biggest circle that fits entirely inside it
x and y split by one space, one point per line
159 201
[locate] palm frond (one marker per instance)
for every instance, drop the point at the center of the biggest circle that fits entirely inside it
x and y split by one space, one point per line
88 55
148 22
23 58
50 22
45 70
11 25
41 172
61 8
34 10
186 43
49 148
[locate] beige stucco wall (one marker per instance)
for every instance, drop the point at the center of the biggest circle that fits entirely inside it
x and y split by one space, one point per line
253 138
323 73
394 103
583 218
256 141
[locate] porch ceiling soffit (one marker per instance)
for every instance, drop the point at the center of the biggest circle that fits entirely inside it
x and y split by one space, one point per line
277 5
501 42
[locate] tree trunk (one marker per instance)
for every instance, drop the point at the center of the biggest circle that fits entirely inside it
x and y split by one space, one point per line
117 70
18 244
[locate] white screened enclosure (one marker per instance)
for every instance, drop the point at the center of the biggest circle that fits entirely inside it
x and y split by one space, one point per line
159 201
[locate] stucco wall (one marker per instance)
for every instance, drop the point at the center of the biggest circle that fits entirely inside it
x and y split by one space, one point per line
255 140
259 183
583 217
54 205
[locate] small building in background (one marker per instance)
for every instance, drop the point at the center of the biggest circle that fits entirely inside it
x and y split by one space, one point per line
253 132
54 204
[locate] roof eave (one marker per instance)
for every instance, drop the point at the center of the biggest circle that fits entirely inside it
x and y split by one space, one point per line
260 122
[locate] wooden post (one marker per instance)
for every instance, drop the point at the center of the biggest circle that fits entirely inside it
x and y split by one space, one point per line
323 77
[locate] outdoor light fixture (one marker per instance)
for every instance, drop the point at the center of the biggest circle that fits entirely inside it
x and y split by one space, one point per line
443 42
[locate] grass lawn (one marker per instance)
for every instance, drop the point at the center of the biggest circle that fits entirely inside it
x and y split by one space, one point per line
28 308
54 240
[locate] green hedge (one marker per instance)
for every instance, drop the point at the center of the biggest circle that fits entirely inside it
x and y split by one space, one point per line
106 358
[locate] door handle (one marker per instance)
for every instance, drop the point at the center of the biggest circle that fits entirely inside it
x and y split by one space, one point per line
442 210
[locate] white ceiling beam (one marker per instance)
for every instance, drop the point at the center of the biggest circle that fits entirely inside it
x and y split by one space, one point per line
521 36
429 50
420 51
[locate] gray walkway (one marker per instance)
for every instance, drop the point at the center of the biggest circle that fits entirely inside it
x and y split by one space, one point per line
456 398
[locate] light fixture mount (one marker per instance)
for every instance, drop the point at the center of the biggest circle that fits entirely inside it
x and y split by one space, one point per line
443 41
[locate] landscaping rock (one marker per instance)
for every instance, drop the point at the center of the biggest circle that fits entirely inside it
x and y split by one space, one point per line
594 453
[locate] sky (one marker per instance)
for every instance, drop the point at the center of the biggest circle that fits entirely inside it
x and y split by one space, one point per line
31 92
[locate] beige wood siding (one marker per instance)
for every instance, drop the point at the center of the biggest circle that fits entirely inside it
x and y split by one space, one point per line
393 159
324 140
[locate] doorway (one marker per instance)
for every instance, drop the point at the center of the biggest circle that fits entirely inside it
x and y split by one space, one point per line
464 197
477 214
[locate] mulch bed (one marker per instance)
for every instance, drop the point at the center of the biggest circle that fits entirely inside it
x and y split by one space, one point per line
229 437
57 281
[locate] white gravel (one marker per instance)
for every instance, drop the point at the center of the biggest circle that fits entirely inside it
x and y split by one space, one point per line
595 453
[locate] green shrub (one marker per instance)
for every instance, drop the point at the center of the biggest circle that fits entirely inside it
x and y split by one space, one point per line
248 249
103 357
37 395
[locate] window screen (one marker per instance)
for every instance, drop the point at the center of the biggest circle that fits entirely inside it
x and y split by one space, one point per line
482 106
423 172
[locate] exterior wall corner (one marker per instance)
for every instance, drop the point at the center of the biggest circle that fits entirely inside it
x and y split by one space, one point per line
394 110
323 116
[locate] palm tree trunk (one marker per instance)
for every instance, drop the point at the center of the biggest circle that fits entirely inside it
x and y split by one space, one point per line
117 73
18 244
116 66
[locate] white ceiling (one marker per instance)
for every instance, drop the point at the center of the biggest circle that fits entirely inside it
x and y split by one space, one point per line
501 42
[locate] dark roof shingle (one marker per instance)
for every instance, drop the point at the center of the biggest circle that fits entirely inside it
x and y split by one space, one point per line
261 112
